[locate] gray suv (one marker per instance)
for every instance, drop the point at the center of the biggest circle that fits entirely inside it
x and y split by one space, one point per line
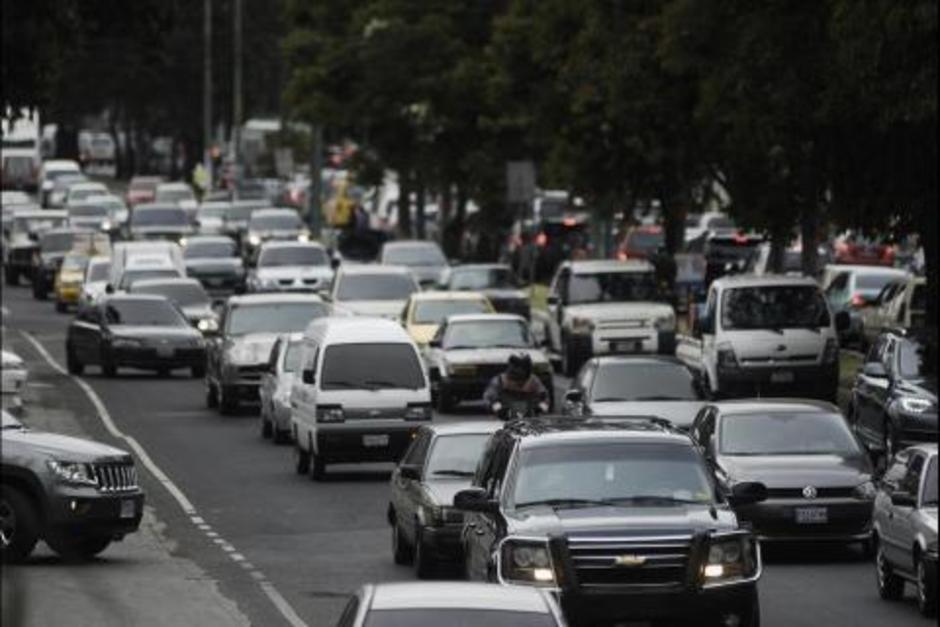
75 494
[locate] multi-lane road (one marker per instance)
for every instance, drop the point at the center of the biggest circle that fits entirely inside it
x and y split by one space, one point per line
233 535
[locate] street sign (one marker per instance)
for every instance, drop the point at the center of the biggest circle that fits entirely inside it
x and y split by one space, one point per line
520 182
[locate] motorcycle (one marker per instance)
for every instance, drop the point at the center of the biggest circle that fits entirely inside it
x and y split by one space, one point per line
508 409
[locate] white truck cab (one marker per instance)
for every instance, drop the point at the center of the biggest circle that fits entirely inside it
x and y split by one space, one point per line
765 336
599 307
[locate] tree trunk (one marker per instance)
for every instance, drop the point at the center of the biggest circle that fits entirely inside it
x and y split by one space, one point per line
779 238
809 236
404 204
120 159
928 238
420 226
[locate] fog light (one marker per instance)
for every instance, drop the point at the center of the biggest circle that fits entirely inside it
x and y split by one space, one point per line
731 620
73 505
543 574
714 570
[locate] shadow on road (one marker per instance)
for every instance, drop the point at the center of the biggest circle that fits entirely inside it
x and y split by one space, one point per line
812 553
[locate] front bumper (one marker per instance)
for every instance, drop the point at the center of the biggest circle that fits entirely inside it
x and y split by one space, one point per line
847 519
817 381
148 357
345 442
86 511
68 294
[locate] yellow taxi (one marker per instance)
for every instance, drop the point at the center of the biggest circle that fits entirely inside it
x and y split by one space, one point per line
69 279
425 311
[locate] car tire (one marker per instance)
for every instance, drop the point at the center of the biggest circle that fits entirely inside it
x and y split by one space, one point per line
890 585
39 290
266 428
444 402
72 364
78 548
198 372
212 395
12 276
317 466
19 523
227 404
108 367
301 459
401 550
424 567
926 587
60 307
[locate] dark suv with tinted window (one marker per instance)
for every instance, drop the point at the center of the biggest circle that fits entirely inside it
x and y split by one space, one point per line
621 520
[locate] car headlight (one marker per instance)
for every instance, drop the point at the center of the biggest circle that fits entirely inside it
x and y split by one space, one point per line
183 241
915 405
831 352
418 412
303 237
106 226
126 342
254 239
330 414
462 370
726 357
208 324
730 560
865 491
582 325
526 562
665 323
73 472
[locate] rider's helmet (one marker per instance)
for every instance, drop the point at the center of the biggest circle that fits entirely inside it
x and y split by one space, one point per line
520 367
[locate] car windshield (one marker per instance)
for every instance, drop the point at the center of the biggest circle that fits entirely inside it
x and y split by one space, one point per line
871 284
619 473
414 256
174 195
292 358
214 211
273 317
774 307
88 211
455 455
375 287
611 287
280 221
293 256
786 433
643 381
183 294
73 263
148 312
129 276
911 361
56 242
483 278
371 366
143 185
929 496
196 250
86 192
168 216
487 334
456 617
434 312
98 271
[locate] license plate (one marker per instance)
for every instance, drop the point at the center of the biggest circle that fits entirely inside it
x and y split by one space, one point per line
127 508
812 515
781 377
164 351
631 346
374 441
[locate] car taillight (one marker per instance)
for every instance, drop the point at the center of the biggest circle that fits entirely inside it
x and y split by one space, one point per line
622 256
857 300
541 239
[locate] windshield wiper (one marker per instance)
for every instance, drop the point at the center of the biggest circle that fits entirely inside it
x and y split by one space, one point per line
454 473
660 398
567 503
653 498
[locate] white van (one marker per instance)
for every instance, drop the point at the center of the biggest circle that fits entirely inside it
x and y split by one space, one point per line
362 393
765 336
148 259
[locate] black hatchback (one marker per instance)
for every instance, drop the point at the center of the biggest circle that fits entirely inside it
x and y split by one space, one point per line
139 331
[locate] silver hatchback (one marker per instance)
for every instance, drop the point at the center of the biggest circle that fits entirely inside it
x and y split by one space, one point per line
276 382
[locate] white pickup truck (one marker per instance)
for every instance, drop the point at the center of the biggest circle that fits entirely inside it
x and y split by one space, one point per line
607 307
765 336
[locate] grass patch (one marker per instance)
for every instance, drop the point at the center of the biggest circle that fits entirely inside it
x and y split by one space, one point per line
538 295
849 363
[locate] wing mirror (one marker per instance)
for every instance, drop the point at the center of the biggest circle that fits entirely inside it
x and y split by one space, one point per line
552 299
410 471
843 321
574 397
335 262
307 376
903 499
875 370
475 500
747 493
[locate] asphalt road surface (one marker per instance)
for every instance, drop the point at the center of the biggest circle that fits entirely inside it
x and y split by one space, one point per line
280 548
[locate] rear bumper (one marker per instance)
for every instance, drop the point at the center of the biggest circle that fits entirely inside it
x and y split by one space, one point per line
147 358
443 543
820 381
626 341
847 520
346 443
68 295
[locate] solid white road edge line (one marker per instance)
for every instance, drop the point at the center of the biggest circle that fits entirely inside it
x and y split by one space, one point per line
267 587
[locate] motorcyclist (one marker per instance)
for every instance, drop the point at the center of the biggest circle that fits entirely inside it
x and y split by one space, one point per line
516 384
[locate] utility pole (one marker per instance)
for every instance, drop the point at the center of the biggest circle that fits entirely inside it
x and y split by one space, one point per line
237 93
207 91
314 211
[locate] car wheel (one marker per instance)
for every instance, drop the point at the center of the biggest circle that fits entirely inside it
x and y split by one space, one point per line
198 372
926 588
401 550
108 368
445 402
212 396
72 363
890 586
227 403
317 466
77 547
301 459
19 525
424 567
60 306
265 427
12 276
39 290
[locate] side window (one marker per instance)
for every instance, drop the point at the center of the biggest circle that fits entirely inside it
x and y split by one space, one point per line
586 378
886 356
479 478
711 309
896 472
561 285
418 450
311 356
272 359
874 353
839 284
911 481
348 618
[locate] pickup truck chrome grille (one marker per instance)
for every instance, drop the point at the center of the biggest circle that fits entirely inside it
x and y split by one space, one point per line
789 359
616 325
653 561
119 477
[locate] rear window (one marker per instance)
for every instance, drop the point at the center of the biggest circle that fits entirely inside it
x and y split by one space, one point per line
56 242
413 256
371 367
645 240
643 382
375 287
293 256
196 250
285 221
158 313
774 307
434 617
873 283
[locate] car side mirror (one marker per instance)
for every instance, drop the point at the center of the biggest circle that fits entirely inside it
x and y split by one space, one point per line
335 262
109 289
552 299
574 396
475 500
435 343
875 370
410 471
903 499
843 321
747 493
307 376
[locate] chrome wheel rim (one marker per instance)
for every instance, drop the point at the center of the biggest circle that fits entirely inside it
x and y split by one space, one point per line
7 524
881 566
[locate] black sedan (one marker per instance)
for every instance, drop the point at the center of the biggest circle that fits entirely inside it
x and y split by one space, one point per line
54 244
818 477
215 262
439 463
894 399
138 331
496 281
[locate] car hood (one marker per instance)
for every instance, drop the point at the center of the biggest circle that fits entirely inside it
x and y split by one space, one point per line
251 348
797 471
382 308
291 272
620 521
600 312
422 333
679 413
491 355
443 490
152 332
64 447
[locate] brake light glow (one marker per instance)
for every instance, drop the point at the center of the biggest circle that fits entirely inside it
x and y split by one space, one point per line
740 238
857 300
541 239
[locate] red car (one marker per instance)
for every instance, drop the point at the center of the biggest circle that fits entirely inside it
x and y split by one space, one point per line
641 242
142 189
861 251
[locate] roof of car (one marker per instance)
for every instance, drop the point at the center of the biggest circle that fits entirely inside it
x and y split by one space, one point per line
174 185
484 317
162 282
357 330
930 448
638 360
61 165
751 280
774 405
88 185
274 211
372 268
464 427
408 243
162 206
865 268
126 296
54 214
288 244
553 429
591 266
67 229
421 297
457 594
273 298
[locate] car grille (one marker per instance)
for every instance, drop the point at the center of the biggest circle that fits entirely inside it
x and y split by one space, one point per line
797 493
812 357
119 477
618 325
656 561
252 372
